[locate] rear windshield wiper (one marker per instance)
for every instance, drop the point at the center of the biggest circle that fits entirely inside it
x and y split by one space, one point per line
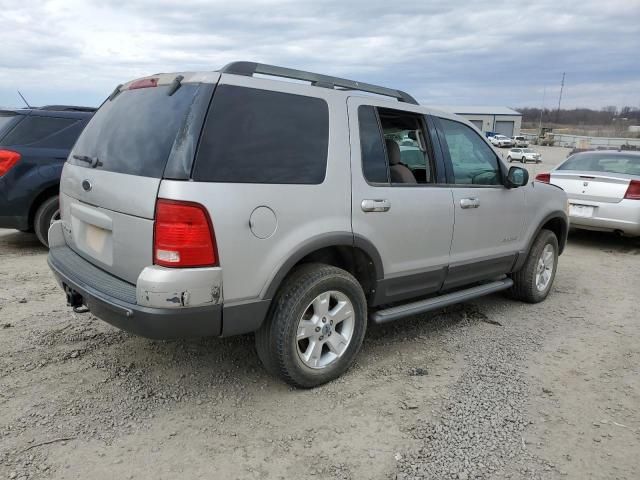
92 161
175 85
115 93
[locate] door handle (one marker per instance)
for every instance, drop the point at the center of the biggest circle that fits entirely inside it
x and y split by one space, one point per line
375 205
472 202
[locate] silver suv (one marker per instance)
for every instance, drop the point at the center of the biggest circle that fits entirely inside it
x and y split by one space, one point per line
229 202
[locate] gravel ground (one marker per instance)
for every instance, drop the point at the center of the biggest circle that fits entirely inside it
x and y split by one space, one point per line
493 389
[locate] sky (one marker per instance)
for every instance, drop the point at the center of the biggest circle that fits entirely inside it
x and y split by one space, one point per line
507 53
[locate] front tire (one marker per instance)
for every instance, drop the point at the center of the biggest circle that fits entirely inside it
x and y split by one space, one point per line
316 326
46 214
532 283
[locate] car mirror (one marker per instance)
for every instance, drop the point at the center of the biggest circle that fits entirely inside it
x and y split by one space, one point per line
517 177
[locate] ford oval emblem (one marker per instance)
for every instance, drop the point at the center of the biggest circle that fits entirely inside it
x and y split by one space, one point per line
86 185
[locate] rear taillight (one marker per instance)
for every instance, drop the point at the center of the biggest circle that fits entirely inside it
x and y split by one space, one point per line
633 192
183 235
143 83
544 177
8 158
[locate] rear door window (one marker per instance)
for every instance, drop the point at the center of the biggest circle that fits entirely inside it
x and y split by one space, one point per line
262 136
393 147
374 157
38 131
135 132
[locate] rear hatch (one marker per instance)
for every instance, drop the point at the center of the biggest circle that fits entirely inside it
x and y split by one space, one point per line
145 131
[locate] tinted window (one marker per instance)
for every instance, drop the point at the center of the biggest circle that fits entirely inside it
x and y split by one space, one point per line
626 164
6 120
473 161
374 160
260 136
134 133
67 137
37 131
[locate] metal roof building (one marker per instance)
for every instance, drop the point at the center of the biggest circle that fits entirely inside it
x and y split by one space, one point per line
501 120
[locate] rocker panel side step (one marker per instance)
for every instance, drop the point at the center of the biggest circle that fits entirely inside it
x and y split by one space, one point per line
435 303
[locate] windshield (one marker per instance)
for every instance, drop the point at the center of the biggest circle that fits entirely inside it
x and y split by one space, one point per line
606 163
135 132
528 150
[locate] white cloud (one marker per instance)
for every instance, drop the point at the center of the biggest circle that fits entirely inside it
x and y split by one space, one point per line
461 52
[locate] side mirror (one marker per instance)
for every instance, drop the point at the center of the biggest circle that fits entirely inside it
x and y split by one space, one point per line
517 177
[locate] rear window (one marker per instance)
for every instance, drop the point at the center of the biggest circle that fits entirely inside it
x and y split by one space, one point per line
625 164
135 132
261 136
6 119
39 131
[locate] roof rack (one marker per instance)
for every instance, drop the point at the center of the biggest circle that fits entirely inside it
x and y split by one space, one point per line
250 68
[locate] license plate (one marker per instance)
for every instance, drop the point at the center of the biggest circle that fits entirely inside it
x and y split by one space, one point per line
96 238
580 210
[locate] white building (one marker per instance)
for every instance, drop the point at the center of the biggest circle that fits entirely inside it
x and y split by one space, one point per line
501 120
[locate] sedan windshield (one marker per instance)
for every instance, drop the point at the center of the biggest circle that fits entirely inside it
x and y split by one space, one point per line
603 162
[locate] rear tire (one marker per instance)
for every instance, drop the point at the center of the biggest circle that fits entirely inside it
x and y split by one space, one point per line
316 326
533 282
46 214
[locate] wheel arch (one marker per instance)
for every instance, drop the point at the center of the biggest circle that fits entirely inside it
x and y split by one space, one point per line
47 192
350 252
558 223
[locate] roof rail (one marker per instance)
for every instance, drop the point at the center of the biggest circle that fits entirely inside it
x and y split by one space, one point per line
250 68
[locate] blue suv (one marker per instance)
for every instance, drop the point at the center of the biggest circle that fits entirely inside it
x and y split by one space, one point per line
34 144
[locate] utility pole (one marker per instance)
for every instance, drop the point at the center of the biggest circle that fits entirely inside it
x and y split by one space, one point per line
560 97
544 94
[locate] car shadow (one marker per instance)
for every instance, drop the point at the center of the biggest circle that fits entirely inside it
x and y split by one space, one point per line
14 241
605 241
235 358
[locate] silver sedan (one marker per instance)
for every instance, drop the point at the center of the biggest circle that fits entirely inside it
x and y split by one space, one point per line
603 189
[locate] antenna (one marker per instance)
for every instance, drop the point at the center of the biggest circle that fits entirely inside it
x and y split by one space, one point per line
24 99
560 97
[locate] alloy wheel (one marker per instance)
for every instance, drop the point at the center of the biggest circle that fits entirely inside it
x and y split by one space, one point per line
545 267
325 329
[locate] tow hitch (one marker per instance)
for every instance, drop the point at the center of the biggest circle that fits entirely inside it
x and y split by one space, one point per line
74 300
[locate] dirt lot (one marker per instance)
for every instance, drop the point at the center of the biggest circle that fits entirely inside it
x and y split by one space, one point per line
493 389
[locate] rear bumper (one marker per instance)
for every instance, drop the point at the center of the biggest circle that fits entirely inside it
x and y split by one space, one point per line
114 301
623 216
